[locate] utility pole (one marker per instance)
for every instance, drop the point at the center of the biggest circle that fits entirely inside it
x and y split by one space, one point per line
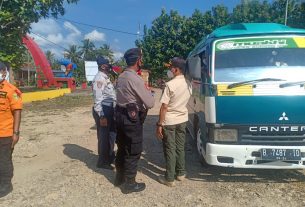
138 32
286 12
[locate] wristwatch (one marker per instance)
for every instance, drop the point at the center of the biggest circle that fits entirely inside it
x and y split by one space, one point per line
159 125
17 133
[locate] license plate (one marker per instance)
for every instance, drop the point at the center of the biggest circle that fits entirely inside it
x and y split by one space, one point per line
281 154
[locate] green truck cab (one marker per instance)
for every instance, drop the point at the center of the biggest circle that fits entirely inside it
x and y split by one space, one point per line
248 104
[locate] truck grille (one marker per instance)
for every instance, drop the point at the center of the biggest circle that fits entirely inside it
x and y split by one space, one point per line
272 139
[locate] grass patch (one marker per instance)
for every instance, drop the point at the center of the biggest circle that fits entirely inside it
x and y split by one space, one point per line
64 103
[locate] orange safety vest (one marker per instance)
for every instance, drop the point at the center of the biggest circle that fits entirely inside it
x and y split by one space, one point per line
10 100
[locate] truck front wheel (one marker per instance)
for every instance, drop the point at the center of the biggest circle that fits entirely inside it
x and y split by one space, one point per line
200 148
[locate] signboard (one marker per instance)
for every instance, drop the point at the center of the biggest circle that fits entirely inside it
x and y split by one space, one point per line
91 70
262 42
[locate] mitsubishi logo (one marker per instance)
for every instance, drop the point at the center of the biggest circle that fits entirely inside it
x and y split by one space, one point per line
283 117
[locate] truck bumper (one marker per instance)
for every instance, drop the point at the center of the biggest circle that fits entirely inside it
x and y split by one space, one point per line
248 156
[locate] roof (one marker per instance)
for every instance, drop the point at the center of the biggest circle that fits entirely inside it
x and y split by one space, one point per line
254 28
245 29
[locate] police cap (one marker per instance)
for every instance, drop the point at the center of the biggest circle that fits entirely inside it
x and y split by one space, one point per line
101 60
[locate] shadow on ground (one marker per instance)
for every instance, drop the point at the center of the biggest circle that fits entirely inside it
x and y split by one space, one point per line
87 156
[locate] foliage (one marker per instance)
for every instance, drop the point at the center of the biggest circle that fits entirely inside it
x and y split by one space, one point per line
16 17
174 35
86 52
52 60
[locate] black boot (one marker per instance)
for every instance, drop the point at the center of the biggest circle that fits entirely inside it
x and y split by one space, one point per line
131 186
119 179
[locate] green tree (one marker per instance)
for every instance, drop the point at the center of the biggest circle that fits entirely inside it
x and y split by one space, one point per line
174 35
87 50
16 17
105 51
52 60
120 62
167 38
251 11
73 53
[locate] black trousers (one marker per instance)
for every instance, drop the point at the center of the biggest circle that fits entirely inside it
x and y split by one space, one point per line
105 135
130 144
6 163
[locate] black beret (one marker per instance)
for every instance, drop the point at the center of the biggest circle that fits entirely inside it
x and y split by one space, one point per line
101 60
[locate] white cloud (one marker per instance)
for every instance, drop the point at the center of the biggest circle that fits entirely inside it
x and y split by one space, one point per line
72 28
56 38
117 55
74 34
95 36
45 26
116 40
49 33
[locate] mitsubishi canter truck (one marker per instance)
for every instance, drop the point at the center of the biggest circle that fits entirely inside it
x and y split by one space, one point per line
248 104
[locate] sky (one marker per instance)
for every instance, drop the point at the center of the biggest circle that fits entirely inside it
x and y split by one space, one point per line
121 15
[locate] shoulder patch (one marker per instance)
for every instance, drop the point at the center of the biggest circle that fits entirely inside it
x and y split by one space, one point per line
3 94
15 96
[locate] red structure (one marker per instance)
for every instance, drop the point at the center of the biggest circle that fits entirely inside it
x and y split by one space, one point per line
45 77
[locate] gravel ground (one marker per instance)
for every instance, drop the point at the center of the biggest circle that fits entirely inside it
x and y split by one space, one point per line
56 156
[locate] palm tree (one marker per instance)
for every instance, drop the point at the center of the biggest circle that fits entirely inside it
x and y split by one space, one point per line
87 50
73 53
52 59
105 51
50 56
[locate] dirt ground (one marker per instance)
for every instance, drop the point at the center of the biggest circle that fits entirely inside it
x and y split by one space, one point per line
56 156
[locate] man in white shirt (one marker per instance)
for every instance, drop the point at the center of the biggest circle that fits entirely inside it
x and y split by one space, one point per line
103 113
172 122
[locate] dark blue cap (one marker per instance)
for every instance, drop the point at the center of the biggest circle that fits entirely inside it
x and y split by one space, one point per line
101 60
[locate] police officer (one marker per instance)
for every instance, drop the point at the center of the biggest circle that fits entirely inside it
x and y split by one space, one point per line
133 101
10 116
103 113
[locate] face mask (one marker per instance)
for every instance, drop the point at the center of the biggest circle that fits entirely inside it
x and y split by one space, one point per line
2 77
170 74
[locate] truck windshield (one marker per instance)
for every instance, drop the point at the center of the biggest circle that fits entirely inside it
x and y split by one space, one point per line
235 62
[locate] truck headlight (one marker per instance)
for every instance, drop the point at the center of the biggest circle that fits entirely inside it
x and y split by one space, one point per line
225 135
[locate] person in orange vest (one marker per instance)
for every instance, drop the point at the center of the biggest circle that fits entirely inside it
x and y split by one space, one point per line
10 117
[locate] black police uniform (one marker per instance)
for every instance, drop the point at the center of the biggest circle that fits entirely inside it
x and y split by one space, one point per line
133 101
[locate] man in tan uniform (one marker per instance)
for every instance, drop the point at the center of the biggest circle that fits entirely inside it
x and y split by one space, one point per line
172 122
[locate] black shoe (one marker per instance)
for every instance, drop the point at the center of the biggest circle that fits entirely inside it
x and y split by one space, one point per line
105 166
119 180
5 189
132 187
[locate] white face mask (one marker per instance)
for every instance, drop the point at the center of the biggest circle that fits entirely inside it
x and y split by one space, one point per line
2 77
170 74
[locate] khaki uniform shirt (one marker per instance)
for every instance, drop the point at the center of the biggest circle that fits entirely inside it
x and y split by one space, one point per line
130 88
176 95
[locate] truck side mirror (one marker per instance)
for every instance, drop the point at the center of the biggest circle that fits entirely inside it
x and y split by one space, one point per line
194 67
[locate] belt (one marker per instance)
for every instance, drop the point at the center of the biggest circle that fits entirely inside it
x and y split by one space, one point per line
107 104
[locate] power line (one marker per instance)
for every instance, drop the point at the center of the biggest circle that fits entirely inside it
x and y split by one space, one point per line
42 37
104 28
